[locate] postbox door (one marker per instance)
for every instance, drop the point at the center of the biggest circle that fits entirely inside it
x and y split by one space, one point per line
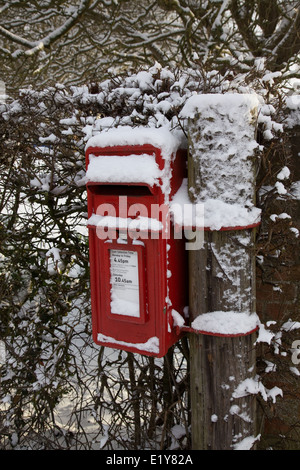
131 291
125 298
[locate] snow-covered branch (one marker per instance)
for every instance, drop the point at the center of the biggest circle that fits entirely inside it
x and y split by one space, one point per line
109 33
33 47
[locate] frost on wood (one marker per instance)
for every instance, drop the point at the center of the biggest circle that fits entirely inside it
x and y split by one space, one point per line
225 285
213 213
232 266
221 169
222 148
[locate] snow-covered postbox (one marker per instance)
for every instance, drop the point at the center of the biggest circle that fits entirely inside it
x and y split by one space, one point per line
137 262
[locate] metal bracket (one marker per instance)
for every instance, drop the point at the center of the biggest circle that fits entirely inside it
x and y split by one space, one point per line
188 329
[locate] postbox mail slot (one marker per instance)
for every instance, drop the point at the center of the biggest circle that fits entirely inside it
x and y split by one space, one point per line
135 190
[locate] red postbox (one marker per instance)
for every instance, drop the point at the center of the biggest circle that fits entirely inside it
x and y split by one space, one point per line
138 263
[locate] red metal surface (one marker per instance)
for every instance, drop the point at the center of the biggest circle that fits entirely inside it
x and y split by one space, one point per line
157 256
222 229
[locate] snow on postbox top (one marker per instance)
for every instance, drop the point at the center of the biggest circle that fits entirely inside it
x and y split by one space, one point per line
132 168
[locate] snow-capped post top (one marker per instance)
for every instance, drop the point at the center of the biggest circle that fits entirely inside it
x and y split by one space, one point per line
226 103
222 147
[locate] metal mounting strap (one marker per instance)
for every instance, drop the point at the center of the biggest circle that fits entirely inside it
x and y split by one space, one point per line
188 329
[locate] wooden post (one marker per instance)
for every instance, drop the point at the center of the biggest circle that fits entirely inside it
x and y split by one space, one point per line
219 364
221 167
